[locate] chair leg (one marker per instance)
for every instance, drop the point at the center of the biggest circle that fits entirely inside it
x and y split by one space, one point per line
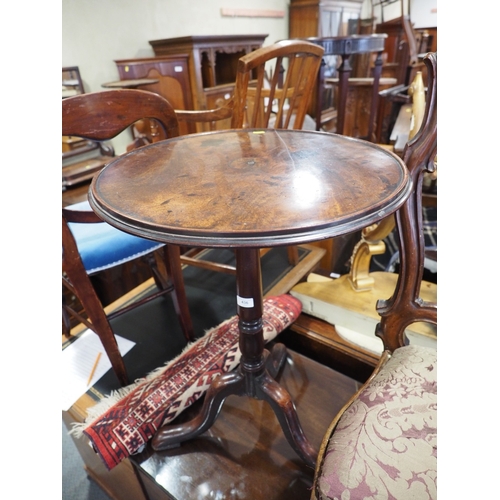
95 312
66 322
157 261
173 263
293 255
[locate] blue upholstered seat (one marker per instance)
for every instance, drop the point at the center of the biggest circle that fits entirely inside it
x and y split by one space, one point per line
102 246
89 245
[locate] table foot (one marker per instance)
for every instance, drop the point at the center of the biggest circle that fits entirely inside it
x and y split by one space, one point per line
284 408
276 359
171 436
266 388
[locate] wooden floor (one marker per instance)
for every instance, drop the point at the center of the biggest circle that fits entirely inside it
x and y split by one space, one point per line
244 455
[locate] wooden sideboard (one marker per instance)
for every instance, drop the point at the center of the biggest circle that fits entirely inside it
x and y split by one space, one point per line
172 73
212 62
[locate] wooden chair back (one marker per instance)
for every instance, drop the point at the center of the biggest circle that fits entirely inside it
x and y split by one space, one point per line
101 116
371 242
405 307
280 98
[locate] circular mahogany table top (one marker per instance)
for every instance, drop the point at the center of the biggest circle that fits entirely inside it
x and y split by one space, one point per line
250 188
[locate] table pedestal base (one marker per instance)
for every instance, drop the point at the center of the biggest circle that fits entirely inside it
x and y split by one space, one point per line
264 387
255 376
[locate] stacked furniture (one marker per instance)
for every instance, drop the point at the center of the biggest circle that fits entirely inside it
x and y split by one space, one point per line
194 72
81 158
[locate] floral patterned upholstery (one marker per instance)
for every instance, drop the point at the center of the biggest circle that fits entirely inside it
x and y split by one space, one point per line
385 444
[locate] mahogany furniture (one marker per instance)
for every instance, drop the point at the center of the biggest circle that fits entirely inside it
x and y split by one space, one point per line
349 301
383 442
245 452
172 81
280 100
345 47
130 84
335 106
323 18
212 62
274 85
255 188
89 245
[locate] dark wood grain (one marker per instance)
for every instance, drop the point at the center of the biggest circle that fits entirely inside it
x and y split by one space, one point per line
406 306
250 188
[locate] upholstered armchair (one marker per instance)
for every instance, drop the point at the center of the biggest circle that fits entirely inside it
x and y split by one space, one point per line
383 444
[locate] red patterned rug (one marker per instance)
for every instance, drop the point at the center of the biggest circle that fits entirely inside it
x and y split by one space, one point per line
122 424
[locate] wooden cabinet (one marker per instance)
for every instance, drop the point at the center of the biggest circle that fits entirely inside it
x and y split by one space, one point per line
212 62
323 18
172 75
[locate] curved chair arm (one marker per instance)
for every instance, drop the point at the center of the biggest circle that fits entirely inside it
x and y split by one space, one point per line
205 115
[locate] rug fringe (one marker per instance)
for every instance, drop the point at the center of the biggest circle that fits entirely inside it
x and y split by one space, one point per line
96 411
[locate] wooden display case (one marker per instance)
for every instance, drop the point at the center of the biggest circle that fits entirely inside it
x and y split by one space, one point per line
212 64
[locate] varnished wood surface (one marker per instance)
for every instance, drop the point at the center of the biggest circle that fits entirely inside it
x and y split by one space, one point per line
250 188
130 84
351 44
318 340
245 454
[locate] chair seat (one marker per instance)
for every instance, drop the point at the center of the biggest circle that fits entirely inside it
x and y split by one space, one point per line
101 246
385 444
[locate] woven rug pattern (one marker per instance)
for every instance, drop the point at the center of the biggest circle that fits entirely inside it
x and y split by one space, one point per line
124 422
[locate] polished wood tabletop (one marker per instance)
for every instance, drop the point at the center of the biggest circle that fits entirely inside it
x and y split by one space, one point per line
249 189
